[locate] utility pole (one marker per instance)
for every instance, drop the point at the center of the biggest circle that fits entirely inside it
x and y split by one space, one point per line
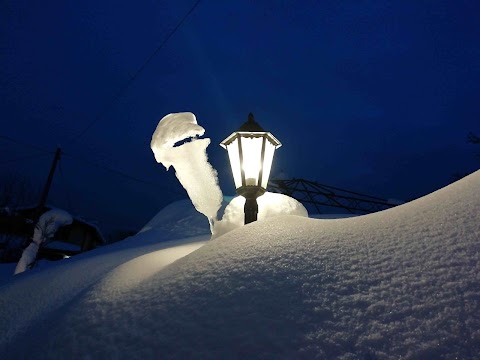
46 188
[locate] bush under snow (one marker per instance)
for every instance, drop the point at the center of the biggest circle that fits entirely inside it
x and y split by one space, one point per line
44 230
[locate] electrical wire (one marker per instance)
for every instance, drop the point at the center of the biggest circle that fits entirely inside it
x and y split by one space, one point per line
38 148
91 163
22 158
120 173
122 90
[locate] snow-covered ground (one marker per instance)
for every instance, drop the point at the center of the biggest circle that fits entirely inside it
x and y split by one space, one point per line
404 282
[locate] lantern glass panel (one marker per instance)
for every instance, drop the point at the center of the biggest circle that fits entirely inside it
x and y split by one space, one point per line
234 156
252 155
267 163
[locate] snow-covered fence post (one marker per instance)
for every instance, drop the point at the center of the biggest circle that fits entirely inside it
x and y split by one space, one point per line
190 161
45 228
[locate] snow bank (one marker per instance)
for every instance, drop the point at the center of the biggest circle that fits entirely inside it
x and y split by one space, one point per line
189 159
34 296
177 220
332 216
403 282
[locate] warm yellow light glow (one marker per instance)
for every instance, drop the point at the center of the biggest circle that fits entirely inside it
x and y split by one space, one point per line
252 152
251 157
234 156
267 163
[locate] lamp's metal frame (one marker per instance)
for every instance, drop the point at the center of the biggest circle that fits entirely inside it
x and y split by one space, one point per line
251 129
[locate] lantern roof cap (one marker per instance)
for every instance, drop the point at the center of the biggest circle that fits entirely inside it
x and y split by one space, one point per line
251 125
251 129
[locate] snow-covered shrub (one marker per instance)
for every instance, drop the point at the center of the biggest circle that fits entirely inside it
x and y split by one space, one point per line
45 229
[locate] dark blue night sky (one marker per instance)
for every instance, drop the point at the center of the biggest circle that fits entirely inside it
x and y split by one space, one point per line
373 96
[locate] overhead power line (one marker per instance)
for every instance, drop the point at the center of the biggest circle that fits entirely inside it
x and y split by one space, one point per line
120 173
91 163
38 148
122 90
22 158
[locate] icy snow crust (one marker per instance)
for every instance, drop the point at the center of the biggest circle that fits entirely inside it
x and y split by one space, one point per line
404 282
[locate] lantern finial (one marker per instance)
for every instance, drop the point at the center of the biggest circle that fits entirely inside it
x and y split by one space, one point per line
251 125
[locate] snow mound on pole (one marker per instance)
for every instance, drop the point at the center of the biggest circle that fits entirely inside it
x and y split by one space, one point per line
189 159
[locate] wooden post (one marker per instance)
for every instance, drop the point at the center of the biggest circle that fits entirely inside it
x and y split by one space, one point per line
48 184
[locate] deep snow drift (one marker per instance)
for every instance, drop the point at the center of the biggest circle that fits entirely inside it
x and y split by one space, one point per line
404 282
177 220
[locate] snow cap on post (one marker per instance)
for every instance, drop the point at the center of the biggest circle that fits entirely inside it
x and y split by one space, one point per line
189 158
171 129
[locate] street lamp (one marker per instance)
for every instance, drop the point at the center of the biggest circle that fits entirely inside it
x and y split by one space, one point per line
250 150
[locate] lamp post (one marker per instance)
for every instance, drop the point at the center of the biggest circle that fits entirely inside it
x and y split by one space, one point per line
250 150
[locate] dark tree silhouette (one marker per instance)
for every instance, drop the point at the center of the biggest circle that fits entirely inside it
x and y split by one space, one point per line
17 191
472 139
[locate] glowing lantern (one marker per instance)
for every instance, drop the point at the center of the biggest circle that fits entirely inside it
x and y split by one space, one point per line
251 151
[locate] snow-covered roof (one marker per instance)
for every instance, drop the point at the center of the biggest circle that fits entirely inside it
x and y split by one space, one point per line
403 282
